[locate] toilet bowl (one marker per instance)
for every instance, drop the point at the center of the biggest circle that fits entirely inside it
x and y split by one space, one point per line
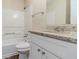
23 49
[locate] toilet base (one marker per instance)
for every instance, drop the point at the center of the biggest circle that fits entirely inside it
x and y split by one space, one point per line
23 56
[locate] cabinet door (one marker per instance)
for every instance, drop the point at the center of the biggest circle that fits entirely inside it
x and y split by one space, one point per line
35 52
48 55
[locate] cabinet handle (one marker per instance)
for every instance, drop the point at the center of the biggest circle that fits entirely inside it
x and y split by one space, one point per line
38 50
43 53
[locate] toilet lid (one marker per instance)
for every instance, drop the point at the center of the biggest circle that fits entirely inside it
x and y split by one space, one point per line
22 45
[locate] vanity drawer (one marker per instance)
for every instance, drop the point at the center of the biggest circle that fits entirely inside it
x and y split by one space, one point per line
60 48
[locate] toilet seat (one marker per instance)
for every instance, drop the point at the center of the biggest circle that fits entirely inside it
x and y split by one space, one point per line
23 46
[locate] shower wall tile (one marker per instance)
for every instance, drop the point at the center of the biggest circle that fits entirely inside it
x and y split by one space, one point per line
11 33
12 17
12 24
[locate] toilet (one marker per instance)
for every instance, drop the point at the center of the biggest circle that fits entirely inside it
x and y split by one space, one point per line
23 50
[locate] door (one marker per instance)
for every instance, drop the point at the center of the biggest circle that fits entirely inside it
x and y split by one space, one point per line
35 52
48 55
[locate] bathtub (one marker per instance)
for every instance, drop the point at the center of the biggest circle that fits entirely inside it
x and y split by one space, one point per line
9 48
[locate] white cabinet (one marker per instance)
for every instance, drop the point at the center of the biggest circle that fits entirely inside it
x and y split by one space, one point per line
48 55
35 52
40 53
52 48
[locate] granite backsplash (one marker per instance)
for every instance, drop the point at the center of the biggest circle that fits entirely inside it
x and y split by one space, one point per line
62 28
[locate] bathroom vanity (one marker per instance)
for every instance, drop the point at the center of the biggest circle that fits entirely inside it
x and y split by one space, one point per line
46 46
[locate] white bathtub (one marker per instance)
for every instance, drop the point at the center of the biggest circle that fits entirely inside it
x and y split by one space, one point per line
9 48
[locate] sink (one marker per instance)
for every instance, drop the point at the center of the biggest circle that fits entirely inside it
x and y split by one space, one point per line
63 33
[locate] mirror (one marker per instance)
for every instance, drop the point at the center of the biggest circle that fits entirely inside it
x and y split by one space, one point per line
61 12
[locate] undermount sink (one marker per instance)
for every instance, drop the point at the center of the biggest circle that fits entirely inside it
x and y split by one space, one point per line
64 33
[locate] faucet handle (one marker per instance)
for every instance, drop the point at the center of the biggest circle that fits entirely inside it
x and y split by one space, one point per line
26 35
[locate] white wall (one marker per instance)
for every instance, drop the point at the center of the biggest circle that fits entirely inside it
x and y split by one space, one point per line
28 18
73 11
27 2
39 20
38 5
13 4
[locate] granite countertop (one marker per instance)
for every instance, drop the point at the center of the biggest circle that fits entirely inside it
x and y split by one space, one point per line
58 36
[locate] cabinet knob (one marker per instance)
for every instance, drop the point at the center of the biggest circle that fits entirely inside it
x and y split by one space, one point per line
43 53
38 50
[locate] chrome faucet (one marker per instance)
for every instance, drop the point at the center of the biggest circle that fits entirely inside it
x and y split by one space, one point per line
25 35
